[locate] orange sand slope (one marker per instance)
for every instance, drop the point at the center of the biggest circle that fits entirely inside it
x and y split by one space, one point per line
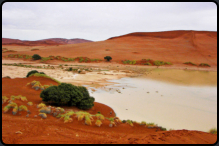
52 130
176 47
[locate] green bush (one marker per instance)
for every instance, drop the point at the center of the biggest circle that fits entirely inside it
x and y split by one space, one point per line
36 57
189 63
204 64
158 63
31 72
68 94
147 63
108 58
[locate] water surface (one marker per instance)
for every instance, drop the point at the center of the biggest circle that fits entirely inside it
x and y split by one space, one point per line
175 106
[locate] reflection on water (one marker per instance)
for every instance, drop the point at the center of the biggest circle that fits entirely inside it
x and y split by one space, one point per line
183 77
169 105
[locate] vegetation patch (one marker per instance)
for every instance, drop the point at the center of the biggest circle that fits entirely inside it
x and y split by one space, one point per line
108 58
204 64
45 76
129 62
68 94
213 131
36 57
34 49
159 63
190 63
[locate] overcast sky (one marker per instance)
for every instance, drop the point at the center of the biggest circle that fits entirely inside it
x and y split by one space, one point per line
99 21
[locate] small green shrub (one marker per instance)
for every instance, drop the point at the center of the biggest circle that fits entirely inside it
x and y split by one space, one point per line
43 115
22 108
36 57
98 123
30 103
45 76
189 63
108 58
147 63
100 116
129 122
158 63
41 105
71 59
213 131
204 64
168 63
143 123
45 59
31 72
81 59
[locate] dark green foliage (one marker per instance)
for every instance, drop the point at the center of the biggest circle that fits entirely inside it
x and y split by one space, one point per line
190 63
86 103
68 94
36 57
31 72
108 58
204 64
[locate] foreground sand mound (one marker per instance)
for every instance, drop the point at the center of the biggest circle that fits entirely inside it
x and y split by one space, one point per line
21 129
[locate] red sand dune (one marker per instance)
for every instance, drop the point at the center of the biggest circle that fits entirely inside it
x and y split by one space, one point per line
55 131
176 47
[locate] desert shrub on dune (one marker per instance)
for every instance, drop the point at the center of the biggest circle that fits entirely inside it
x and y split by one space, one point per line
213 131
189 63
43 115
15 110
129 122
36 57
46 110
108 58
31 72
143 123
45 76
88 120
67 119
100 116
6 108
30 103
10 105
22 108
98 123
4 99
41 105
68 94
204 64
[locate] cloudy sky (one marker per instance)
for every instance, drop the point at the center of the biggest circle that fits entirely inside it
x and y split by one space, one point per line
99 21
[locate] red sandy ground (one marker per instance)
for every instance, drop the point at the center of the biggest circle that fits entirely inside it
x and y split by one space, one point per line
55 131
176 47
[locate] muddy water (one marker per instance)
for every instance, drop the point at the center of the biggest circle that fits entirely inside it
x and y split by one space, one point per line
187 104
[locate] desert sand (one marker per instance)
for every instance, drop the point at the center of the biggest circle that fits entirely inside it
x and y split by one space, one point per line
176 47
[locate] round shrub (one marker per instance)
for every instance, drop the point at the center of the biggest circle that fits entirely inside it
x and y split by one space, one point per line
108 58
31 72
36 57
68 94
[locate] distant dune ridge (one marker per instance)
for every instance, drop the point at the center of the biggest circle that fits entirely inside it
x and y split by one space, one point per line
51 41
177 47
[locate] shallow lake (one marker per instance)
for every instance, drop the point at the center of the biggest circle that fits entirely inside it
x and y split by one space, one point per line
170 105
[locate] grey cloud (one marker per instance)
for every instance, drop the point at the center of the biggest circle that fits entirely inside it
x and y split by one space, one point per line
99 21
